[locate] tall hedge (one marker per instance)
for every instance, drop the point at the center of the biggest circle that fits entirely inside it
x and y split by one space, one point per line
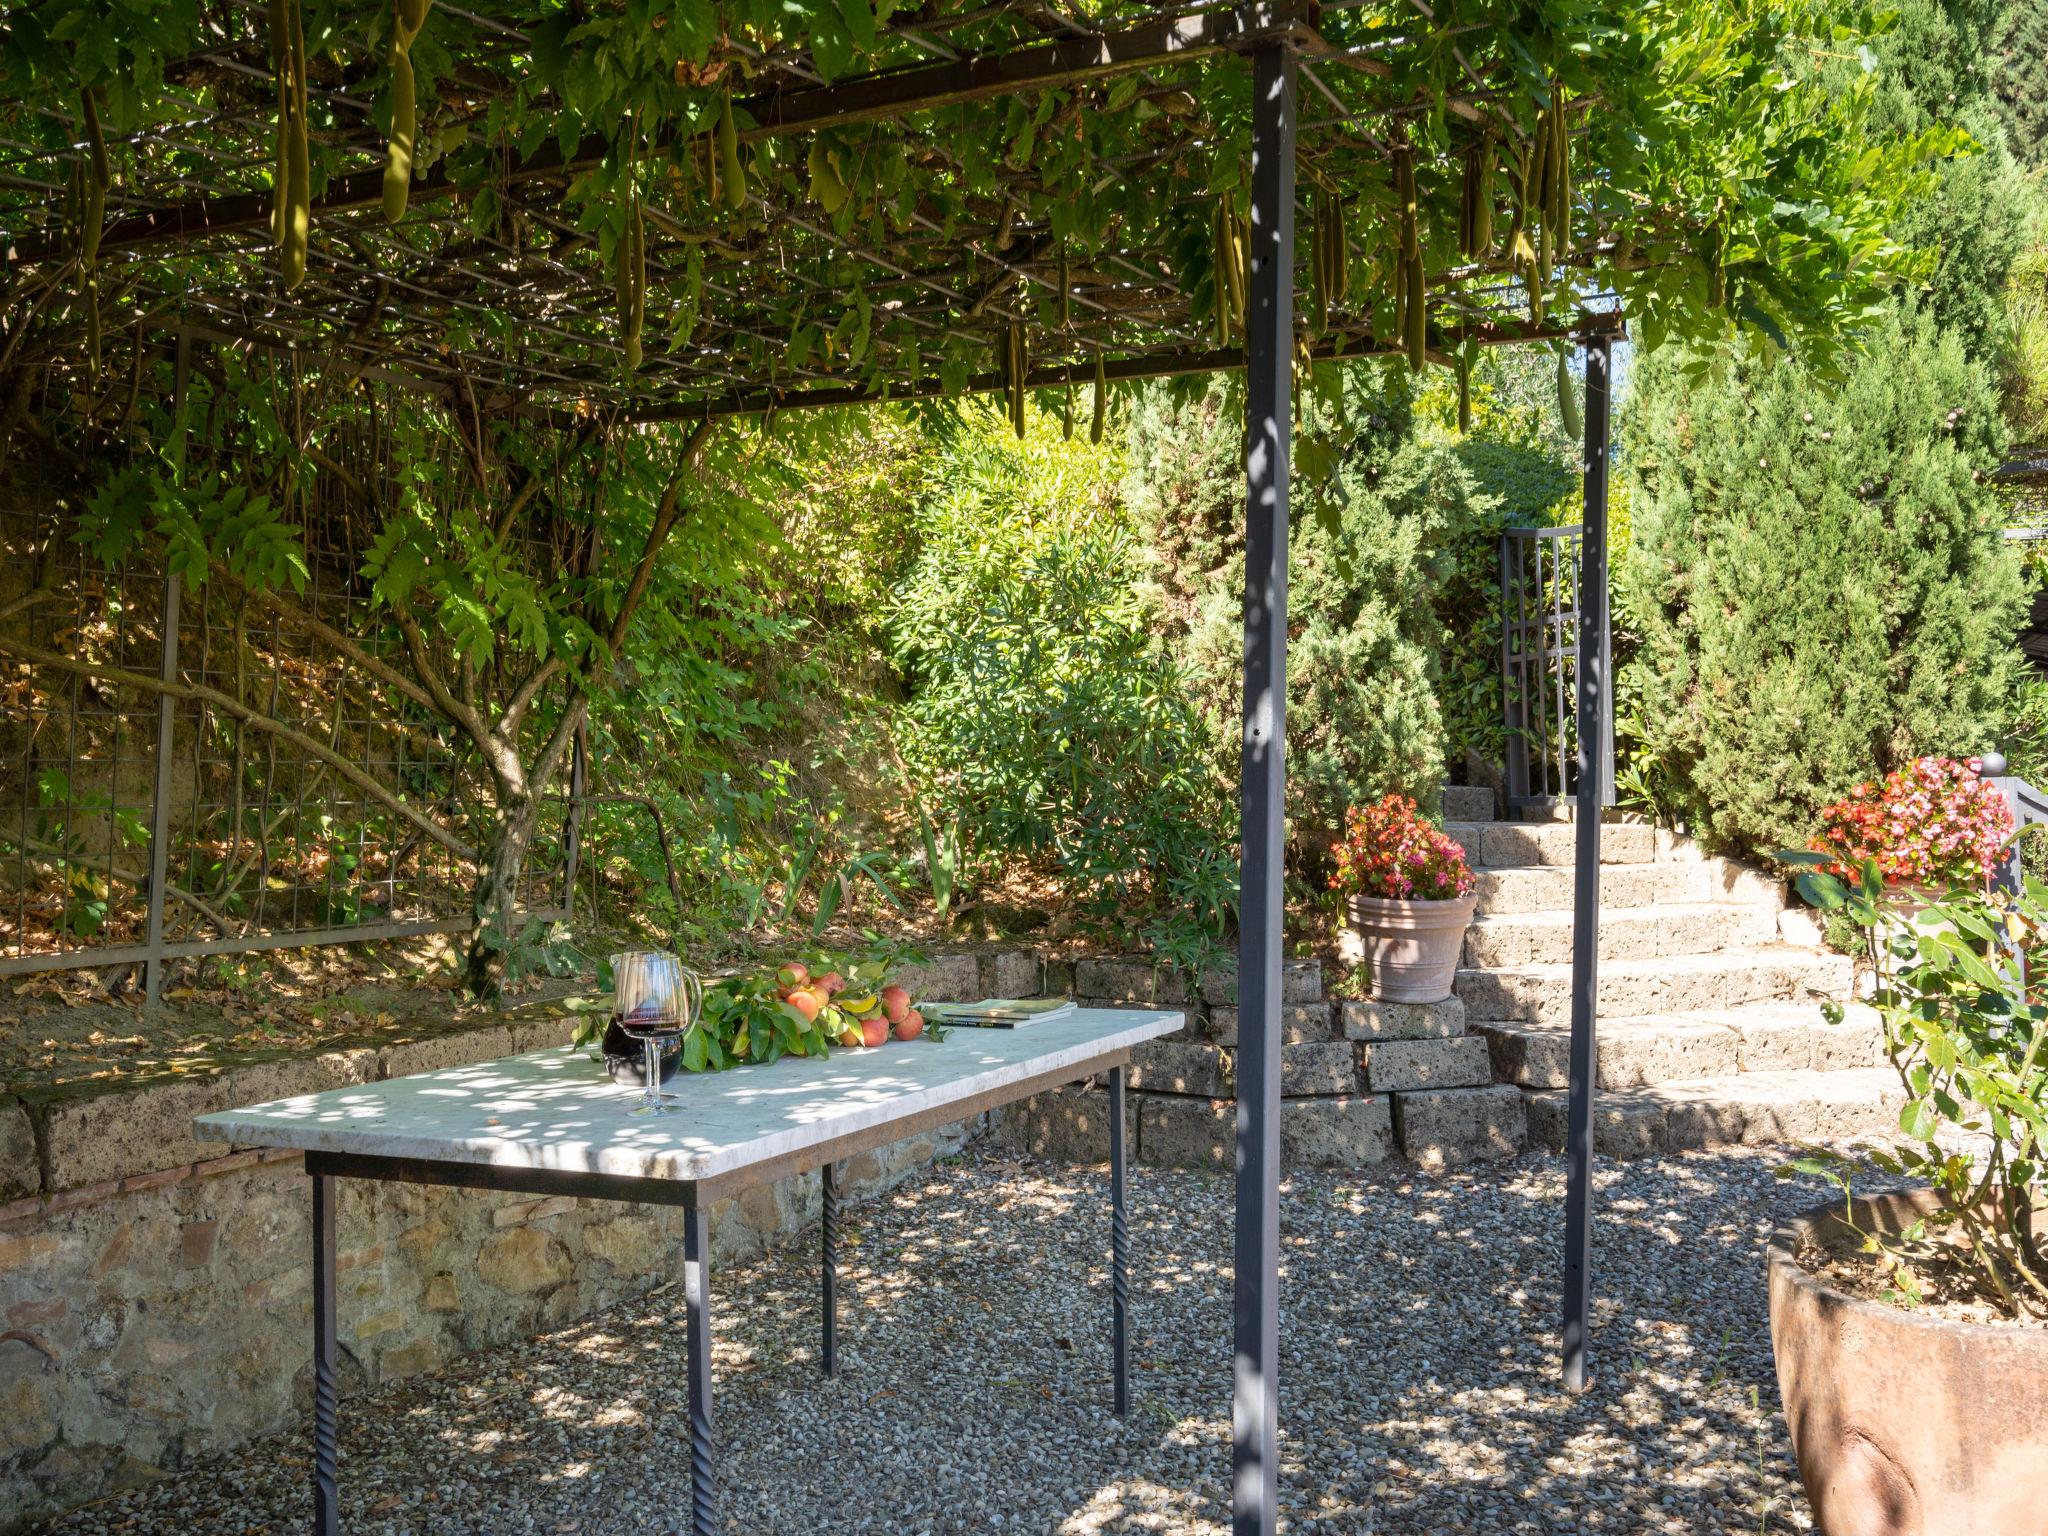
1046 721
1817 576
1376 504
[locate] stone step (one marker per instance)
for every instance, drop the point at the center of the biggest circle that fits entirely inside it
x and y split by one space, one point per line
1443 1127
1523 845
1666 984
1639 1052
1548 887
1468 802
1633 933
1741 1108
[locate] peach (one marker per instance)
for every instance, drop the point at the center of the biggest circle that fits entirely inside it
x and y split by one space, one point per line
895 1003
805 1003
874 1031
910 1026
832 983
793 975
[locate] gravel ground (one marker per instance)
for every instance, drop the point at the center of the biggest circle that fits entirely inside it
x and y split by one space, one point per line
1418 1389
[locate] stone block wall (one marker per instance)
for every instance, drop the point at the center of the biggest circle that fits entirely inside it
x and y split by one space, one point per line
1358 1080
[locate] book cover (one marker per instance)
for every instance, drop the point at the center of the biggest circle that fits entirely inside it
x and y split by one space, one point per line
999 1012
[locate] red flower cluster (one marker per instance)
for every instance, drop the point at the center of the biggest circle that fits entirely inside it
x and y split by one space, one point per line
1390 851
1934 823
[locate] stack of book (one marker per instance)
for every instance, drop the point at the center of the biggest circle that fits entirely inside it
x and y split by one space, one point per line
998 1012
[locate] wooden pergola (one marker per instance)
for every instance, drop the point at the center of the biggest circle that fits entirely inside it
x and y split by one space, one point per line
494 294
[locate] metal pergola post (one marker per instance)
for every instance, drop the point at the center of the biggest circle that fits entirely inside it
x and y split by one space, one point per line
1594 689
1269 337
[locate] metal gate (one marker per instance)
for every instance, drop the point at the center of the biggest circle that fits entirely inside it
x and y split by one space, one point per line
1541 571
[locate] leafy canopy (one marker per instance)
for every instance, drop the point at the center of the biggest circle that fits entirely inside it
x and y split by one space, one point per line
1722 177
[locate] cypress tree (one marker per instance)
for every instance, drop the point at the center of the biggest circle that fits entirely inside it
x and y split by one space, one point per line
1816 576
2023 80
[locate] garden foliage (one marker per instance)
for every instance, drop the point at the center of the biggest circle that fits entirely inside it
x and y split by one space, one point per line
1377 505
1047 722
1939 63
1818 576
1968 1038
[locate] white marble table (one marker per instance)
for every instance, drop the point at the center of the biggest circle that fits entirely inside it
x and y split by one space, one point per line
551 1122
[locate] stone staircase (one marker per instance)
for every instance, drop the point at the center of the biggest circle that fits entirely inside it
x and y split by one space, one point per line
1710 1033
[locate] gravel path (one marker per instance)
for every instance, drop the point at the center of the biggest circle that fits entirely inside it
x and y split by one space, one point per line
1418 1386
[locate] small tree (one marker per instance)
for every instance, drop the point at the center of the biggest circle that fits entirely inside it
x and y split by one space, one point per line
1818 575
507 570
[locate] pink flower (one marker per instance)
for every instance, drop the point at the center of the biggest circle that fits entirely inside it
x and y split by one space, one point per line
1389 851
1933 822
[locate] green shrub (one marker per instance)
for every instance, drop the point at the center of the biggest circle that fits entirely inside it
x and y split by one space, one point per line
1362 714
1046 720
1817 574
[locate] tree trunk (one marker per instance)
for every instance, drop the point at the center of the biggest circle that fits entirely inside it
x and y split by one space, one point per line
497 893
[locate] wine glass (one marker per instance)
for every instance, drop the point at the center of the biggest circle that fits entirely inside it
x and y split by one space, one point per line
657 999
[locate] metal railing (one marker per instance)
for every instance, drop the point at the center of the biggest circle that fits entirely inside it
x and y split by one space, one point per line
2029 809
1541 573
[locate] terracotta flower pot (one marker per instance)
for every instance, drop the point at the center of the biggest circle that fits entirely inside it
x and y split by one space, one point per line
1906 1424
1412 946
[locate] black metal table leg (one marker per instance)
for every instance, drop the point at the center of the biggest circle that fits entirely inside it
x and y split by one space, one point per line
1119 1248
828 1252
326 1483
697 1306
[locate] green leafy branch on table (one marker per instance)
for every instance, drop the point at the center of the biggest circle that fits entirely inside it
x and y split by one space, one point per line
801 1006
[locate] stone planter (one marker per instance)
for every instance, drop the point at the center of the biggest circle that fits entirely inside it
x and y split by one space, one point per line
1412 946
1906 1424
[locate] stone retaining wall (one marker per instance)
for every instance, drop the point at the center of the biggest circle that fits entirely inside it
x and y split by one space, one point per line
1358 1080
155 1300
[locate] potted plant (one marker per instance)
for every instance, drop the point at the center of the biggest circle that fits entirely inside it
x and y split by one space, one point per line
1933 824
1907 1326
1408 896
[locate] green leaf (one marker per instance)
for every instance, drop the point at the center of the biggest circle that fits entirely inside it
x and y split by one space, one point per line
859 17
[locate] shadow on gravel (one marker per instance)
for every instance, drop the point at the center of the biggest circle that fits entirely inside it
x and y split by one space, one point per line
1419 1385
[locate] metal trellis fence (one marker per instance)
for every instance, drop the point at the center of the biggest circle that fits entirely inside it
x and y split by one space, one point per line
184 773
1541 571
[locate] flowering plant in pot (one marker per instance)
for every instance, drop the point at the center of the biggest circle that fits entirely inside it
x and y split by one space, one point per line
1907 1326
1409 895
1930 825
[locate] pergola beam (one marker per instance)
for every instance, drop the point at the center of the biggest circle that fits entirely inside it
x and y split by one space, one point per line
1152 365
1076 60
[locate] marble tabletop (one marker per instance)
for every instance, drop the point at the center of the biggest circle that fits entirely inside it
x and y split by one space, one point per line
556 1108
